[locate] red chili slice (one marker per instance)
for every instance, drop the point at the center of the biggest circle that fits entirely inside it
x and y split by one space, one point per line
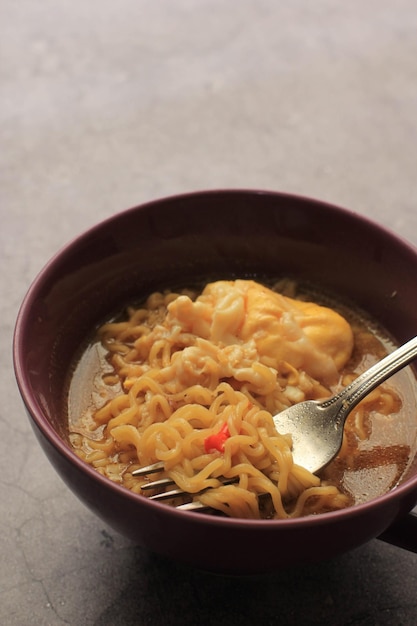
216 441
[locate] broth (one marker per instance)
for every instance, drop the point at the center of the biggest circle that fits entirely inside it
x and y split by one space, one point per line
378 447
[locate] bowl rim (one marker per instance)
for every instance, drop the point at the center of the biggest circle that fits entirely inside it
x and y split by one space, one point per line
39 419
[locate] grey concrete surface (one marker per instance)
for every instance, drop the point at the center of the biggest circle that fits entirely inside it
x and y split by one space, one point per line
104 105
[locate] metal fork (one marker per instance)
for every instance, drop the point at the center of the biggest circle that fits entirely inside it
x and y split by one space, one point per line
316 426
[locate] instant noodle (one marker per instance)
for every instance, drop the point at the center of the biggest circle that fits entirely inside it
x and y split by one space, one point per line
193 379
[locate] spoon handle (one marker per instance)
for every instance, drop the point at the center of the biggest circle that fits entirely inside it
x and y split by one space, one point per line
349 397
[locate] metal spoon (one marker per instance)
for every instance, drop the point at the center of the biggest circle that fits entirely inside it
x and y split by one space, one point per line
316 426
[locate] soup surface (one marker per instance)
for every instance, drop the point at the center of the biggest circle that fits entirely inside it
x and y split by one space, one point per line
193 378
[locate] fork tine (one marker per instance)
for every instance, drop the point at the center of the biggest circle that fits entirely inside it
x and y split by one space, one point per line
175 493
149 469
196 505
157 484
166 495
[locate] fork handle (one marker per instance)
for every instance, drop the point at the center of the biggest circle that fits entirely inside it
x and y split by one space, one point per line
349 397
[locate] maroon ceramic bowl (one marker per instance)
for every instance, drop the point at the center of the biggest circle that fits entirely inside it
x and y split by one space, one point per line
210 234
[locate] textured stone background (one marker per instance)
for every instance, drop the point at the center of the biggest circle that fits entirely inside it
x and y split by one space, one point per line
104 105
